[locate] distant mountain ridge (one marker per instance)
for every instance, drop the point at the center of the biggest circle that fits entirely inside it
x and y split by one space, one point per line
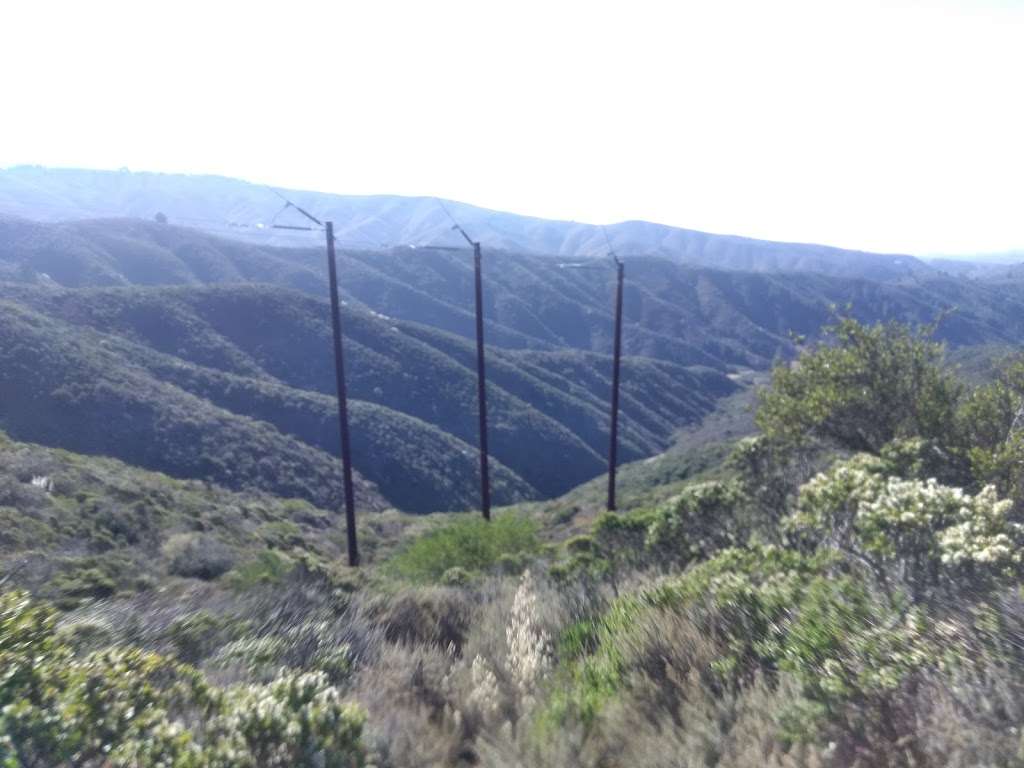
244 211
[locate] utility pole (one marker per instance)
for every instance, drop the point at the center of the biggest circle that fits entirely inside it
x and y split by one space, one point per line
613 446
481 378
339 371
481 385
339 374
613 438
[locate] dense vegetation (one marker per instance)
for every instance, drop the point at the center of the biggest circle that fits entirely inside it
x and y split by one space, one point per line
208 378
687 314
196 382
844 590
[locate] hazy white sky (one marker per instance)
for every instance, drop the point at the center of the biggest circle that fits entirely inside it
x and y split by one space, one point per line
892 126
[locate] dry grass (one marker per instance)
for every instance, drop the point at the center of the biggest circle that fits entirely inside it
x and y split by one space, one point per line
462 676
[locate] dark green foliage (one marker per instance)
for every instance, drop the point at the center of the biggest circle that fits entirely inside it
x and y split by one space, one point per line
874 385
195 636
884 389
85 583
183 384
992 420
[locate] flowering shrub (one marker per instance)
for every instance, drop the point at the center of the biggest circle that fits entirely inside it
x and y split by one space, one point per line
484 693
297 720
126 707
919 531
695 524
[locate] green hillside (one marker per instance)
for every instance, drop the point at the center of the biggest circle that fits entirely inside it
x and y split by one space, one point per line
683 314
90 527
74 390
230 329
259 357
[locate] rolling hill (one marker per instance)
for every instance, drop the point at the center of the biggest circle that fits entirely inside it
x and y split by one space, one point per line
674 312
209 382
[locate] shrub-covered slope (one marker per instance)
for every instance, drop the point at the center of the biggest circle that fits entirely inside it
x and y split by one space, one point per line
264 354
69 388
681 313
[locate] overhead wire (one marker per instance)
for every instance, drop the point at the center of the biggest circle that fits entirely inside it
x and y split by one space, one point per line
455 224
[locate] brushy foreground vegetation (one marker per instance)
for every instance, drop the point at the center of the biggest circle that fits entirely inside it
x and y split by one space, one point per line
843 591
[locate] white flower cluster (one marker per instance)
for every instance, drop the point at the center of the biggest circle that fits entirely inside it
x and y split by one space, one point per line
294 715
893 517
983 535
528 643
484 694
911 504
846 483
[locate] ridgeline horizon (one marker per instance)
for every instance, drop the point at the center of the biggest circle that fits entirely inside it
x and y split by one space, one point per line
55 193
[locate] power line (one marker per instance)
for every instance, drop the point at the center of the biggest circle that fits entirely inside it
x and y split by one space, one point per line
613 434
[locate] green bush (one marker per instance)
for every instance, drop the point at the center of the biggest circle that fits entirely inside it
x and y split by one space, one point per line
281 534
197 556
470 543
875 384
127 708
456 577
992 418
268 567
695 524
737 601
87 578
195 636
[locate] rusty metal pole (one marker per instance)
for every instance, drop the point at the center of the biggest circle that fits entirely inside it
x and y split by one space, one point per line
614 440
339 373
481 388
